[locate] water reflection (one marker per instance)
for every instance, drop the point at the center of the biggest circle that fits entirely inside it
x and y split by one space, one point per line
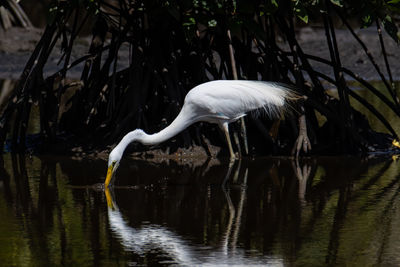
177 249
147 238
320 211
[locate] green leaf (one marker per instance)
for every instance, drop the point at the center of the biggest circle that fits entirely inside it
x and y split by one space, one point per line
189 22
393 6
212 23
337 2
301 11
269 8
390 28
366 21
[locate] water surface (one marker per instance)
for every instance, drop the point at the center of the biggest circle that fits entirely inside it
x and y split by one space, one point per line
322 211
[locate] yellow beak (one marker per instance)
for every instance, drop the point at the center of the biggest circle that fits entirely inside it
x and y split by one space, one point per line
109 176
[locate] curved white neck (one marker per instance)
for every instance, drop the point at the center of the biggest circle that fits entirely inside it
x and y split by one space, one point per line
181 122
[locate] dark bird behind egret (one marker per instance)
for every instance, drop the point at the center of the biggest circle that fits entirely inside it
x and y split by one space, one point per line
220 102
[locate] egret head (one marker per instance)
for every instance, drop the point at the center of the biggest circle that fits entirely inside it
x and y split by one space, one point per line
113 163
116 154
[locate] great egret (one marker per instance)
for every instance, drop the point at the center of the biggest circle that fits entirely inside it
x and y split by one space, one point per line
220 102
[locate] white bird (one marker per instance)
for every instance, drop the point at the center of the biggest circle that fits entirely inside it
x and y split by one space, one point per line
220 102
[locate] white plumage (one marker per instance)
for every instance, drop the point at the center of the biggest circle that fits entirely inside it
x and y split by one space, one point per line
219 102
232 99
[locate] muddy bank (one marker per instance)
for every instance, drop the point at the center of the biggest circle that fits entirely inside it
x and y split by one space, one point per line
16 45
182 156
352 56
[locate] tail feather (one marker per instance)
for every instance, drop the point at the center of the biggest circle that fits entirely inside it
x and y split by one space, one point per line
279 98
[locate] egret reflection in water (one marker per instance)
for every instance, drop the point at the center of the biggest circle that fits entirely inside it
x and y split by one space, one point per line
147 237
179 250
320 211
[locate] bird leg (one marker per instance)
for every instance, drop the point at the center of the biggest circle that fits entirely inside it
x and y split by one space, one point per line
237 142
243 133
225 128
302 141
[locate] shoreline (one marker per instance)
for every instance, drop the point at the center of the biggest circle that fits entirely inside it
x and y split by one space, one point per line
16 45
